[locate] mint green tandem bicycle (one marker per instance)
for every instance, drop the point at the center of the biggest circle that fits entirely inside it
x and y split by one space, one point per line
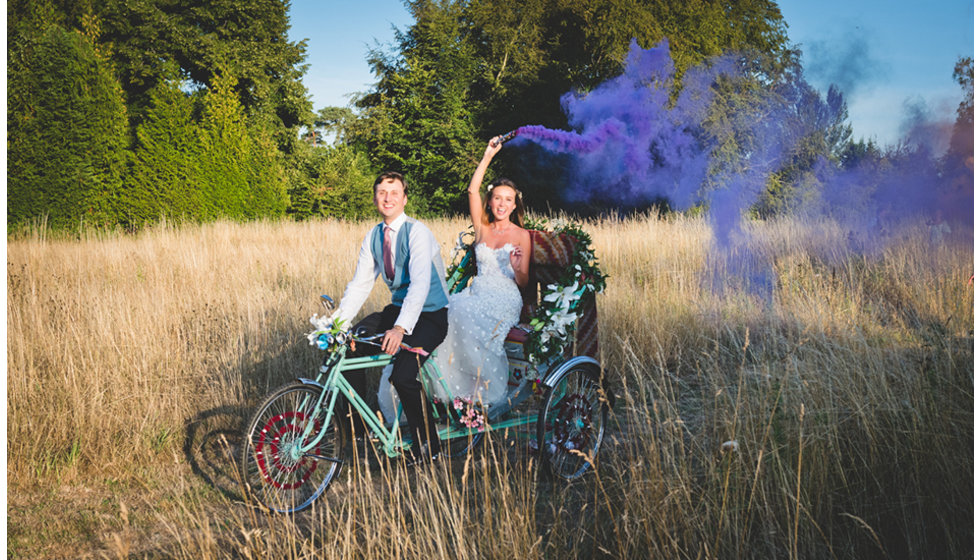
296 443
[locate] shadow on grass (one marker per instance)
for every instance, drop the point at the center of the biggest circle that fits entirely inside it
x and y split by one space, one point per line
211 445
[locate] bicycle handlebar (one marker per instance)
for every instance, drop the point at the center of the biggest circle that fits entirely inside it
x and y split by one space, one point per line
373 340
325 340
328 335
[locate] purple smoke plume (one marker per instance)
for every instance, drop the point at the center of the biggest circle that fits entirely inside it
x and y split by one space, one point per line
631 146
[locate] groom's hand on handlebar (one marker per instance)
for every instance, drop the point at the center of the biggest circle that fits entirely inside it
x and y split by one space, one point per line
392 340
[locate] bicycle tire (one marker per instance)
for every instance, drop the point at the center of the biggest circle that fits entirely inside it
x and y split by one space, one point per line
572 423
275 479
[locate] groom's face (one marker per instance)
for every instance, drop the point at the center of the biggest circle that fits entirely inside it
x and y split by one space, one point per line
389 197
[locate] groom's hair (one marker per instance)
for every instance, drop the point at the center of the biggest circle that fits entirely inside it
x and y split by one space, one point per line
390 175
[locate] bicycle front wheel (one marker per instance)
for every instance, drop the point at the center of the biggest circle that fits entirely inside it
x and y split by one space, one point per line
282 468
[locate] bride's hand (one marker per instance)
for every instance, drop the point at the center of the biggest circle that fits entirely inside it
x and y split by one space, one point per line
492 148
516 256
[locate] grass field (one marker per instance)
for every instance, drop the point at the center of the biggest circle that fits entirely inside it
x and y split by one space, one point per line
846 380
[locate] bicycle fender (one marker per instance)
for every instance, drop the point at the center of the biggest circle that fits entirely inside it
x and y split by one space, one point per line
563 368
310 382
555 375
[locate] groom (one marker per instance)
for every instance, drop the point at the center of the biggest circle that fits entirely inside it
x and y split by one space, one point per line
406 255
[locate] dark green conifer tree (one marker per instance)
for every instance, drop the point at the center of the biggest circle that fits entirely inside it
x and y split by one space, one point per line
67 133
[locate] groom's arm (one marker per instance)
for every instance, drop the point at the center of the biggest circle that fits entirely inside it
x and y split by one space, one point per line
359 288
422 248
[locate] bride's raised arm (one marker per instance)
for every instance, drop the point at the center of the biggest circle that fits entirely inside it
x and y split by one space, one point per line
476 201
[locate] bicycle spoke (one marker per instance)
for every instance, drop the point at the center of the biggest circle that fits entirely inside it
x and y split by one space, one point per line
572 424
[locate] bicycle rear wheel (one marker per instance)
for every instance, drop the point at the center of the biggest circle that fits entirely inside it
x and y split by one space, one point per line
274 470
572 422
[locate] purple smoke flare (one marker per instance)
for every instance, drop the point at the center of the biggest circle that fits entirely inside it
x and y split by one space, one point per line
630 145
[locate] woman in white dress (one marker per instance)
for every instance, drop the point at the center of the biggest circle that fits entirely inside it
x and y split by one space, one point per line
472 359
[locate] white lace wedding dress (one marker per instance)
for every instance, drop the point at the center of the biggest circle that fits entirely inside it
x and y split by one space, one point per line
472 359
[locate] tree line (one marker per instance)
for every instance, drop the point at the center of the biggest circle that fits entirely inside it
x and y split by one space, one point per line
121 112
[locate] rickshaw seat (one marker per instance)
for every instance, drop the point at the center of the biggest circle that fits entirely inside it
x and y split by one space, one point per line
517 334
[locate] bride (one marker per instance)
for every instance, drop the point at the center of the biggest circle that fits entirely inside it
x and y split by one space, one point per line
472 359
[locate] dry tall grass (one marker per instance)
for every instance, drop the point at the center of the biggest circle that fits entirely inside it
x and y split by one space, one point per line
846 381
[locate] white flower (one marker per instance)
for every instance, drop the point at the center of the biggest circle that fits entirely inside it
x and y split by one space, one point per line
552 293
562 296
570 294
320 324
561 320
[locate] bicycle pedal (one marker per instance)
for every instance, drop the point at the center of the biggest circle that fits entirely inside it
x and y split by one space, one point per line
422 457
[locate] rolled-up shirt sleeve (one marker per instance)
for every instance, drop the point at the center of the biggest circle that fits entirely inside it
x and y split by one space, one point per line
359 288
424 251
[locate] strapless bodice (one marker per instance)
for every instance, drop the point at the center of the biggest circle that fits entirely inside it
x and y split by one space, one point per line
494 262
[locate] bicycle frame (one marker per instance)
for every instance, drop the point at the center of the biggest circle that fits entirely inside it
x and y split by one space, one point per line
333 385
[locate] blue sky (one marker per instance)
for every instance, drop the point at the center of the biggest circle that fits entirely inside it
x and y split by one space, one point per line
893 59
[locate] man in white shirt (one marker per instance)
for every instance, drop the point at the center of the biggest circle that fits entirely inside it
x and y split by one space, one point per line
406 255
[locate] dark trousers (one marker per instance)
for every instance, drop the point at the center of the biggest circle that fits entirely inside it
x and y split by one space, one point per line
429 332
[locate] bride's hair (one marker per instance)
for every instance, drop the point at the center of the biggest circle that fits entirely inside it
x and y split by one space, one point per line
517 216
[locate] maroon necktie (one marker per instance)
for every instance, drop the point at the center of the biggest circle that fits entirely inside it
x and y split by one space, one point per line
386 255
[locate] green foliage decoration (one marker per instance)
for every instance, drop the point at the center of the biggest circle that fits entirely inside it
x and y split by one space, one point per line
555 317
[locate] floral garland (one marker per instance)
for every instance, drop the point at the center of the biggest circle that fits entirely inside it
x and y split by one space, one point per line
553 322
470 415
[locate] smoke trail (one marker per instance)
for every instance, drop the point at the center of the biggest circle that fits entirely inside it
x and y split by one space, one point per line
922 127
846 60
